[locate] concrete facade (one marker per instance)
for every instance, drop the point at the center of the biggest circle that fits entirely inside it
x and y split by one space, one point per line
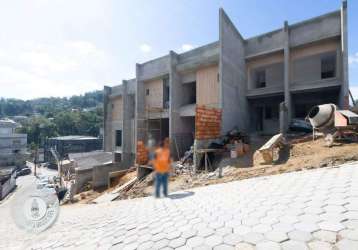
13 146
119 115
294 67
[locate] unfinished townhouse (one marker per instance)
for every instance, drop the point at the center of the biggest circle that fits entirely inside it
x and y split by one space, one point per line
257 84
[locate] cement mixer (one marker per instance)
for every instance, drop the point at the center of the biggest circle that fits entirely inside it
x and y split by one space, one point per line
335 124
322 116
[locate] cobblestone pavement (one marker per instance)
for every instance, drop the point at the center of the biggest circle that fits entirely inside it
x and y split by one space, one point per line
315 209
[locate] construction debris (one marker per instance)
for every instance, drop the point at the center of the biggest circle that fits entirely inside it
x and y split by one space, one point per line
188 156
114 194
268 149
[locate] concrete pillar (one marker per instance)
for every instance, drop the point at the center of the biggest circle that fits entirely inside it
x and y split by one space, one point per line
283 118
126 126
140 112
287 93
175 102
107 118
344 94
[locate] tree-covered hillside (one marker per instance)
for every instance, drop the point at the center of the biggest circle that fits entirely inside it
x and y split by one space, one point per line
49 106
49 117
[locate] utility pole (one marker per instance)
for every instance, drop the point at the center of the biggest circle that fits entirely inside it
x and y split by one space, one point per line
35 159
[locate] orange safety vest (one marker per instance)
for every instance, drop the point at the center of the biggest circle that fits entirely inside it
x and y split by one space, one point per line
162 160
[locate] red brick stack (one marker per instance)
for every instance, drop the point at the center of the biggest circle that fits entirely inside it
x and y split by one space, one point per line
142 153
207 122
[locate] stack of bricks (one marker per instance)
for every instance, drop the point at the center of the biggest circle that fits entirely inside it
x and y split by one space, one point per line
207 122
142 153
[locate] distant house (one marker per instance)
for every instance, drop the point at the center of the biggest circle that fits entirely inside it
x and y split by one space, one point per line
7 182
13 146
64 145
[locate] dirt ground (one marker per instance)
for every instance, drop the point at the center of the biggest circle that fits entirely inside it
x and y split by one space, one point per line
299 154
89 196
294 157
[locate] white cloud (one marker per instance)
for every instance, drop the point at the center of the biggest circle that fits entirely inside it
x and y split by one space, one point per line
145 48
33 86
63 69
187 47
353 59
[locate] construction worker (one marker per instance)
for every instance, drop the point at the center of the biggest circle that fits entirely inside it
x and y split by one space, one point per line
162 167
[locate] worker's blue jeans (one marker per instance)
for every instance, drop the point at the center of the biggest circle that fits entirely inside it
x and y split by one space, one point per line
161 180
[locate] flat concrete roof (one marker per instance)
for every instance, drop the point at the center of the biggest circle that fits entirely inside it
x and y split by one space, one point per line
7 123
74 137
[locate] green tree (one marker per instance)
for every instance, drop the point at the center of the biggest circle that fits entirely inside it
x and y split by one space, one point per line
67 122
38 128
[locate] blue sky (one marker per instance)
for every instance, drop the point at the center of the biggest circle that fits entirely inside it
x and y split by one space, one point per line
63 47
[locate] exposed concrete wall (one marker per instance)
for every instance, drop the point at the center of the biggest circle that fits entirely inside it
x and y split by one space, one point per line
154 68
18 160
100 174
262 61
107 120
119 113
287 79
232 76
131 86
7 186
13 142
269 125
198 57
117 108
140 118
307 69
273 65
207 86
155 97
113 116
321 27
177 125
127 132
318 28
271 41
116 91
82 176
188 77
314 49
274 75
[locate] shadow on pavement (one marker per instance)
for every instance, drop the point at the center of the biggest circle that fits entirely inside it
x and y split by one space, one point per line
181 195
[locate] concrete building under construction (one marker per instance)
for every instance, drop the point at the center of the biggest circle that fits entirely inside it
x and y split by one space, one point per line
256 84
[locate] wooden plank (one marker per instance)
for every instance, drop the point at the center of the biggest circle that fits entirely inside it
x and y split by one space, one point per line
207 86
125 186
273 142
